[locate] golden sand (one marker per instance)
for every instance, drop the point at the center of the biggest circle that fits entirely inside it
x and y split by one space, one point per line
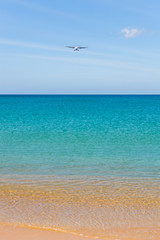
9 232
106 210
22 233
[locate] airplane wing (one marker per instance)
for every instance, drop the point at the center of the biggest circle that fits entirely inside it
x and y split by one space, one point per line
82 47
70 47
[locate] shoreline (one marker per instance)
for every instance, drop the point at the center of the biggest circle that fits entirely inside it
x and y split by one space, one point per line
14 232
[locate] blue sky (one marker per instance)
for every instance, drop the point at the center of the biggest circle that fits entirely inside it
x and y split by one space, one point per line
123 55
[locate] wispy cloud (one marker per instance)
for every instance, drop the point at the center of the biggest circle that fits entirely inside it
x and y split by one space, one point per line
83 61
21 44
131 32
31 45
134 54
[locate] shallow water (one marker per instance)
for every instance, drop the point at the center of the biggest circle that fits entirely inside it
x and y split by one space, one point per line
82 164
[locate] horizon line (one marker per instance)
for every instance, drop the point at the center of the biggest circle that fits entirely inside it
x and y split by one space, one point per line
79 94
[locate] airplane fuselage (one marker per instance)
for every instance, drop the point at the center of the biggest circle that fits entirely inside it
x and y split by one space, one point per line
76 49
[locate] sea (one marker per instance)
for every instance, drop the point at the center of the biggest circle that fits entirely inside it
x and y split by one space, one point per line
88 165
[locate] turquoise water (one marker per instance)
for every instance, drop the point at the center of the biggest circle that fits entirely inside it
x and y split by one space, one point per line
80 135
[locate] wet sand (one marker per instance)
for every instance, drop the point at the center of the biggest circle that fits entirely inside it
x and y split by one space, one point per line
12 232
23 233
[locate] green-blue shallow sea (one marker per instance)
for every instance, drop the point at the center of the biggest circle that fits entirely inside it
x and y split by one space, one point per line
88 164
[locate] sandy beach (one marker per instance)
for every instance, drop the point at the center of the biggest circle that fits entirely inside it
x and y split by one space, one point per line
23 233
13 232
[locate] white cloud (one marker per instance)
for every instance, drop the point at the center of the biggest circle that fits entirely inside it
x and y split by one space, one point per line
131 32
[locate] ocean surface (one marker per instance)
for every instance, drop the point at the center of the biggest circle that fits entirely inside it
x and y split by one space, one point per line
84 164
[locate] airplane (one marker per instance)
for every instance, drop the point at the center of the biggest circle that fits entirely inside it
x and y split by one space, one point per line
76 48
